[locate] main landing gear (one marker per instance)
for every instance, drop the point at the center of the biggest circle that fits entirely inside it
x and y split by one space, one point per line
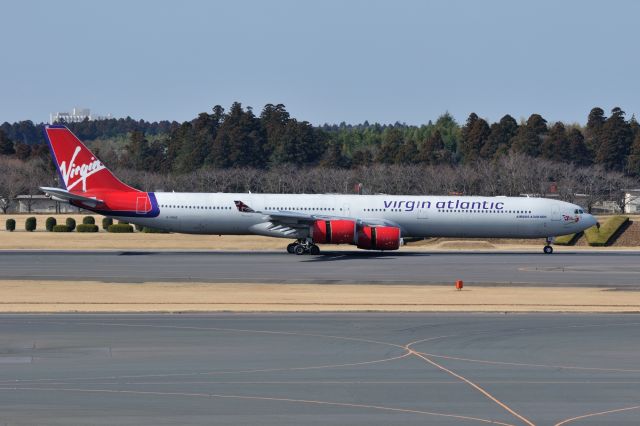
301 247
548 249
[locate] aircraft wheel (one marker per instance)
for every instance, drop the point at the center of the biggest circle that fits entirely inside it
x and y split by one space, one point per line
291 248
299 250
314 250
548 249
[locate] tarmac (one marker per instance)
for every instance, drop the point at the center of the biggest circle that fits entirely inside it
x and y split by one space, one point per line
585 269
319 369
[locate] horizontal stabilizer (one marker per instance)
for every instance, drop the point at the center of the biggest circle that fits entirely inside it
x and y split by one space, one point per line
64 195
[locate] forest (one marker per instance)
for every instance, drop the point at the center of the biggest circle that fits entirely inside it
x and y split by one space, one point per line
237 150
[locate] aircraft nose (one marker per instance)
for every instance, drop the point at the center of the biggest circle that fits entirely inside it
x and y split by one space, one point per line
591 220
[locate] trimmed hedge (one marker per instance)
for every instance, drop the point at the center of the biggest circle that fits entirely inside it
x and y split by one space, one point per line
123 222
71 223
30 224
61 228
88 220
120 228
106 223
50 223
599 237
10 225
87 227
147 230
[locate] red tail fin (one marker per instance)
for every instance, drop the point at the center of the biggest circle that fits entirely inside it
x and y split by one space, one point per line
79 169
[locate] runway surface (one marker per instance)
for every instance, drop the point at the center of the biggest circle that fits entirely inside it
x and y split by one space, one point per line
606 268
373 369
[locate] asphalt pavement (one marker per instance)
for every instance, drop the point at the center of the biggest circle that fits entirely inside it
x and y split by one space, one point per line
319 369
605 268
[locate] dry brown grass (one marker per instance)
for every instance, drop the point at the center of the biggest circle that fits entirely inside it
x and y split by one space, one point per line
58 296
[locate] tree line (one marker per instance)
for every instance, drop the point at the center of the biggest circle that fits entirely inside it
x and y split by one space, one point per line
239 138
512 175
238 151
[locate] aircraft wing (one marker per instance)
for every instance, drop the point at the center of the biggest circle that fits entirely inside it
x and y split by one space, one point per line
296 218
59 194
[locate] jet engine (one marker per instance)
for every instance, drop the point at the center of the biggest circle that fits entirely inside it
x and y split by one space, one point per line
379 238
333 231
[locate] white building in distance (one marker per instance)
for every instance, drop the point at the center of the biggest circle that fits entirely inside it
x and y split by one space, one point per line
632 201
75 116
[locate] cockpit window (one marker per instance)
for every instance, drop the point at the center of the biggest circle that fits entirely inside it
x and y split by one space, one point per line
580 211
576 211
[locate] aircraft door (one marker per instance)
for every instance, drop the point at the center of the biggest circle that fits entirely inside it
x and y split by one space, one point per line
346 210
423 213
555 212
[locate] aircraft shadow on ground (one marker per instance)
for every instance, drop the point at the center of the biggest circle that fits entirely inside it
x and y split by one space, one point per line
330 256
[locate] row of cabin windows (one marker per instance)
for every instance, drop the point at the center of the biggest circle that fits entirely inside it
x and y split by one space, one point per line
322 209
486 211
456 211
172 206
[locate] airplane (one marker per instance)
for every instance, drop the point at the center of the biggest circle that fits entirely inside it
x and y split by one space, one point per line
369 222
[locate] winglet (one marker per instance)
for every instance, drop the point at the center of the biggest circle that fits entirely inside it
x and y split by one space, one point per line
242 207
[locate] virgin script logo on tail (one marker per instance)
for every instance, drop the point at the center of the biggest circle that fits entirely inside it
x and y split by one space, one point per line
74 173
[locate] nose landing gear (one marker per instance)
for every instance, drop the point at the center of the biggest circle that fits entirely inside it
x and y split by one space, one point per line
301 247
548 249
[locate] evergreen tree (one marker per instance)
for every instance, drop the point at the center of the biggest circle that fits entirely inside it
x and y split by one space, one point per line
137 150
499 140
334 158
142 155
299 144
407 153
596 119
205 129
392 140
556 145
579 153
634 125
6 146
240 140
432 149
633 162
449 131
529 137
361 157
474 136
23 151
274 119
181 150
174 144
616 138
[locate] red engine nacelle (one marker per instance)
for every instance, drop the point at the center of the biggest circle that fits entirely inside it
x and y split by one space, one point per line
379 238
334 231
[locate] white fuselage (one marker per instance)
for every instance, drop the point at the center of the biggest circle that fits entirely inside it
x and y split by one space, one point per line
416 216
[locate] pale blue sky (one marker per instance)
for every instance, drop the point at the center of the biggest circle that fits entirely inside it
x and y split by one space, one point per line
327 61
